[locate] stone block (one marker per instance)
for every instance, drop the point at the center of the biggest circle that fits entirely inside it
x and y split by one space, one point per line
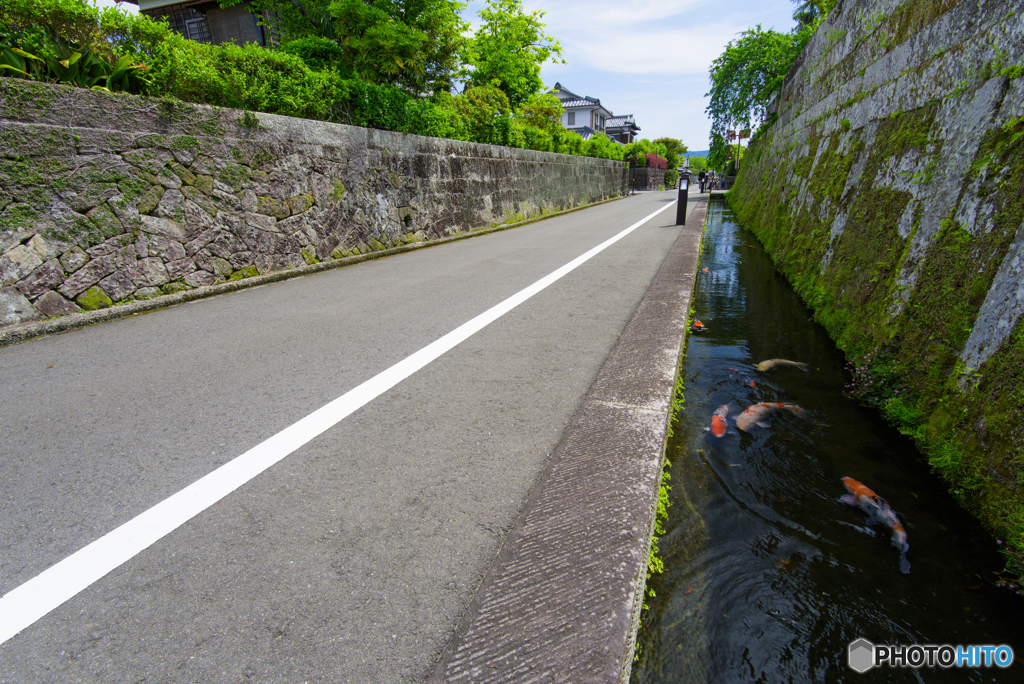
149 200
73 259
176 286
221 267
186 176
168 179
118 286
46 277
204 184
195 218
161 246
224 244
300 203
171 205
248 200
200 278
148 292
151 272
17 263
179 268
204 166
272 207
156 225
15 308
94 298
51 304
87 276
240 260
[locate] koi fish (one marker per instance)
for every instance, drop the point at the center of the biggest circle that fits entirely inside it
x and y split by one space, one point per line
756 413
743 379
698 326
704 270
718 424
878 510
772 363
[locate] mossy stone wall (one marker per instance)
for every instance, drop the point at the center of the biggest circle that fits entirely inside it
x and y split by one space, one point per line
890 191
106 198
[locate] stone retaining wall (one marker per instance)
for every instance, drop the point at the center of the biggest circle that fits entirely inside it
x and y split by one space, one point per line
891 193
111 198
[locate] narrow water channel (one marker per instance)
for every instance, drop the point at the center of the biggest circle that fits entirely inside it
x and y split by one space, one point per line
768 575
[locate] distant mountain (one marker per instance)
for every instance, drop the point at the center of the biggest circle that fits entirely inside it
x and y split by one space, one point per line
698 153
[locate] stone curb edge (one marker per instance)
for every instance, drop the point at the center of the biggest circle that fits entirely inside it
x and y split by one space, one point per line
21 333
537 633
699 213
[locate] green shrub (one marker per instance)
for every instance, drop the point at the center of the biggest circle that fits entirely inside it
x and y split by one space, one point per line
61 42
319 54
601 146
568 142
538 139
379 106
436 118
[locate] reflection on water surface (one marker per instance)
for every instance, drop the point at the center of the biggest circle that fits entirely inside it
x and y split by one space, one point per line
768 576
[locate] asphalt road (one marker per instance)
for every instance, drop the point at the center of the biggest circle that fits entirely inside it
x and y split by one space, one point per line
352 559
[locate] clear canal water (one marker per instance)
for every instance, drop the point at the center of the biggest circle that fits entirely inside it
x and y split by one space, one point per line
768 576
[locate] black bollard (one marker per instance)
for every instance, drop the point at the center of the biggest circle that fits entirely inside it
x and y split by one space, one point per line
684 192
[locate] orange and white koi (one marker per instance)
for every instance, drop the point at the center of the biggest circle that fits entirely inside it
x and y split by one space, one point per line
698 326
878 510
772 363
718 424
756 413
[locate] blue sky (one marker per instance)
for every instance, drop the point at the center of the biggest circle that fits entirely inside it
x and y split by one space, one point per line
648 58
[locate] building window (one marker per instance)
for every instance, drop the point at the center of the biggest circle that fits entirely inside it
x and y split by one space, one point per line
187 21
572 118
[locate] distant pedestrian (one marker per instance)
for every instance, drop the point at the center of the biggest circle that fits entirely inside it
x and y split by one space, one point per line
702 177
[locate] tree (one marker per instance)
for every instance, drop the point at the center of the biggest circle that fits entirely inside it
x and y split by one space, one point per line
413 44
509 49
698 164
748 76
673 149
542 110
809 13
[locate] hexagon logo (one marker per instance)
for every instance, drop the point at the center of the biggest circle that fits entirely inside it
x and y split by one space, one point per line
861 657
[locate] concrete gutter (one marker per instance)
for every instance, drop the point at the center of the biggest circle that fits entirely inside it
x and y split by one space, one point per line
562 600
27 331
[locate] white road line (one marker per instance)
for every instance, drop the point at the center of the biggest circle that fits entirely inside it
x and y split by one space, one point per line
35 598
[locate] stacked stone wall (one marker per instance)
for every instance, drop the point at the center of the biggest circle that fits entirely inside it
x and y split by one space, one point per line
890 191
112 198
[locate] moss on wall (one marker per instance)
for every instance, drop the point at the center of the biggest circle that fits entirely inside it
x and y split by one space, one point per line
892 213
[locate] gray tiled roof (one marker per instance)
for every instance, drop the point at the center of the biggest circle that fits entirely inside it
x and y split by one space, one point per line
621 122
585 102
585 132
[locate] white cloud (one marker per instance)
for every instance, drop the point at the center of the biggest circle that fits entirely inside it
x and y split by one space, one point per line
651 51
614 14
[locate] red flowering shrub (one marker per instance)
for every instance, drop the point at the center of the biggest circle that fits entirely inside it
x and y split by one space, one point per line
656 162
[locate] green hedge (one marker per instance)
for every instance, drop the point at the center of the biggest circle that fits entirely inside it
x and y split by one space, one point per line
303 78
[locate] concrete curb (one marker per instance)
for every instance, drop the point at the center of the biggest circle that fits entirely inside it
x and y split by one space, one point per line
562 599
27 331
